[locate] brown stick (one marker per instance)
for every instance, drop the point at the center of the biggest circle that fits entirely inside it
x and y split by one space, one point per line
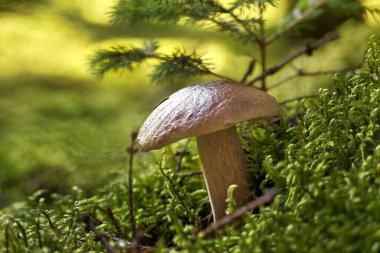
249 71
88 220
131 152
307 49
266 198
181 155
115 222
190 174
301 73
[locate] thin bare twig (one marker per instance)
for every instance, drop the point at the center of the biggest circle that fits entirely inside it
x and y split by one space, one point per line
70 226
249 70
198 172
131 151
181 155
266 198
172 184
51 224
115 222
88 220
23 232
219 76
301 73
308 49
38 231
297 99
6 238
284 80
294 22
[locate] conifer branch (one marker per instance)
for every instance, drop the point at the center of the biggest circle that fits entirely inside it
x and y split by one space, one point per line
311 10
119 58
254 37
182 64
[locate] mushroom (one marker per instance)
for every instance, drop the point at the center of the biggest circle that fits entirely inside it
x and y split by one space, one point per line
210 112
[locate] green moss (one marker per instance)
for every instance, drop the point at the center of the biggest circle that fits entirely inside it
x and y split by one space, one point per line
326 169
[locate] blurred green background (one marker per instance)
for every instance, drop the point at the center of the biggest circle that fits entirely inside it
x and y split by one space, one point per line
61 126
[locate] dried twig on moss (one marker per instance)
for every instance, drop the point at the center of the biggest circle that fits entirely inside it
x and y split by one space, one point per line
90 226
266 198
115 222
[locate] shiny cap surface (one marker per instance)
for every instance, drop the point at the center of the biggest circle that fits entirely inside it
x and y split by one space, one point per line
203 109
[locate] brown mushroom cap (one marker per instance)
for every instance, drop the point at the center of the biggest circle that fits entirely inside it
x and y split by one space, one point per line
203 109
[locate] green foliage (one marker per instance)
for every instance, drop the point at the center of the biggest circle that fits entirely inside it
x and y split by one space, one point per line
326 168
242 20
178 64
181 64
120 57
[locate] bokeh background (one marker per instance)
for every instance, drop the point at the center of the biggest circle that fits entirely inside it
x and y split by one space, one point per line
62 126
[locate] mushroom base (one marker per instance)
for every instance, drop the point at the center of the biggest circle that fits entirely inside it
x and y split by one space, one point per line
223 164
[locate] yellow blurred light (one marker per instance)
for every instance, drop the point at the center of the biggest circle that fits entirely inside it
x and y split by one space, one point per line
43 45
372 20
96 11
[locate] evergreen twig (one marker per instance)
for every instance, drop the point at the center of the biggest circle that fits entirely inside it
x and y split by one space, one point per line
295 22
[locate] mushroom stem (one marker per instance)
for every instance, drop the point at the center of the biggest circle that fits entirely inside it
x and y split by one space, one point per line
224 162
